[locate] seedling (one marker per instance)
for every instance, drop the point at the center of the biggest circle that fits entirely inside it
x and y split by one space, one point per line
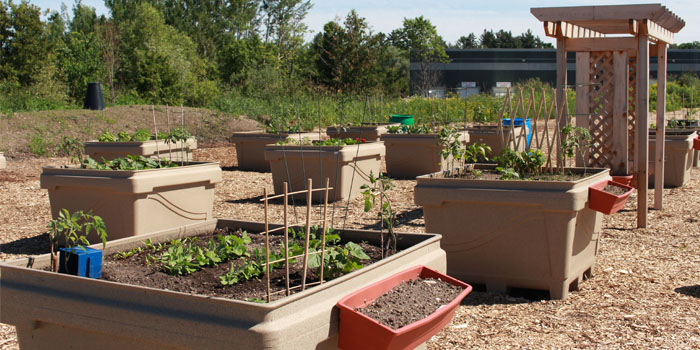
451 145
74 228
572 139
379 187
71 147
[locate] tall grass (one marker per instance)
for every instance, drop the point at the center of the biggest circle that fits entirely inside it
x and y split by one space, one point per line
309 111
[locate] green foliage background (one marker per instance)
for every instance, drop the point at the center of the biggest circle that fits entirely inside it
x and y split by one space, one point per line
245 57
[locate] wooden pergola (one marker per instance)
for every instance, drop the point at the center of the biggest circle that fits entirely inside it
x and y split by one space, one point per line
613 45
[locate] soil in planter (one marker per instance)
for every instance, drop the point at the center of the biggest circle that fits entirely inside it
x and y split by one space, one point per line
410 301
488 174
135 270
618 191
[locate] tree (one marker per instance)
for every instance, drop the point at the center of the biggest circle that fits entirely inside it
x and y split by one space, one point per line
80 61
505 40
467 42
488 39
159 62
109 41
347 58
284 26
24 48
687 46
420 40
84 18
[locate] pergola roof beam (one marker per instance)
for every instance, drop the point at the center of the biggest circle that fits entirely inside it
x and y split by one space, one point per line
656 31
563 29
610 13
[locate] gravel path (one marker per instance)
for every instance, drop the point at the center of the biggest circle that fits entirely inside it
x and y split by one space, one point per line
644 293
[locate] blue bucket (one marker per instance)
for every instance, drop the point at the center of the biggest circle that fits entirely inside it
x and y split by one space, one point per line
519 122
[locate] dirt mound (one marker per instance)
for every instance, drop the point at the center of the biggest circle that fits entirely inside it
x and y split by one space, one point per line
41 132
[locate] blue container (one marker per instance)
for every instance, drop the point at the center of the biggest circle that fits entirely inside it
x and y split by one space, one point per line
79 262
519 122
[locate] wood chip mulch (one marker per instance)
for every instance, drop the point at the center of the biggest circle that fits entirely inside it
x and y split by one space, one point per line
644 292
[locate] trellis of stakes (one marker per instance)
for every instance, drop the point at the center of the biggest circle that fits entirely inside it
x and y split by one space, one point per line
285 196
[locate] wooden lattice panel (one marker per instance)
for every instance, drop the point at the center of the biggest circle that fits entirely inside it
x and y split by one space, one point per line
601 109
632 109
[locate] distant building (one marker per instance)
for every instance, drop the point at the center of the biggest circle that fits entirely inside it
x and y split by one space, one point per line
485 68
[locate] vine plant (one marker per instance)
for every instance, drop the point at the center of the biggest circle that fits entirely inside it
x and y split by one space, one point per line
379 186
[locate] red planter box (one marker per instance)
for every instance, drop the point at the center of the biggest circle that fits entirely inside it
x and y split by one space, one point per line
625 180
358 331
696 143
606 202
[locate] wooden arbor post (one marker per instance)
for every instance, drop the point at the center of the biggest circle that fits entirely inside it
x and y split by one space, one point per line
612 83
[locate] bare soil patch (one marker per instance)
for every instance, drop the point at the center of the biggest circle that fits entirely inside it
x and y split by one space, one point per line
410 301
644 291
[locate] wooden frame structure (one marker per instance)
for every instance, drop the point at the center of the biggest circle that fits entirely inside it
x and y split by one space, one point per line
613 44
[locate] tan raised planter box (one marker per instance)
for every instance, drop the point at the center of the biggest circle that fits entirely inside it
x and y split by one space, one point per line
369 132
508 233
176 151
250 147
347 167
136 202
53 310
488 135
678 158
411 155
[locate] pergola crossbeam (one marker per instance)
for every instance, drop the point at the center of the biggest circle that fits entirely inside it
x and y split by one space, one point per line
656 31
561 30
602 44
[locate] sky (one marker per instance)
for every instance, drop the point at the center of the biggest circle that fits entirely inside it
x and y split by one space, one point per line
452 18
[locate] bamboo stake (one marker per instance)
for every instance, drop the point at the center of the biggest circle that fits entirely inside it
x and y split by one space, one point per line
54 255
170 147
308 233
184 142
286 239
323 234
267 248
155 128
381 221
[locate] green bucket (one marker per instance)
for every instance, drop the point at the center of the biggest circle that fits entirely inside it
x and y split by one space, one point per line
404 119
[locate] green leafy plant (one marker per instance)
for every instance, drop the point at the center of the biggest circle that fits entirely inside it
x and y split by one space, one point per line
71 147
129 162
37 146
141 135
451 145
379 187
514 165
123 136
476 152
184 256
573 139
409 129
74 228
329 142
339 260
127 253
107 136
